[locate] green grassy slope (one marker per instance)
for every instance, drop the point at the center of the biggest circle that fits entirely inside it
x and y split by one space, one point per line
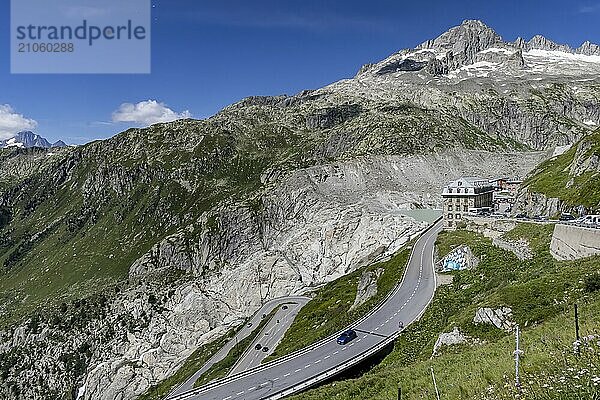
541 293
555 178
77 225
329 311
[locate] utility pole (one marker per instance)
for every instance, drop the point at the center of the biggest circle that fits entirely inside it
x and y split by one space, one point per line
577 338
399 393
517 353
437 393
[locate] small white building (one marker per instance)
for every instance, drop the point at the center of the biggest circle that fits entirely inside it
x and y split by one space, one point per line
466 195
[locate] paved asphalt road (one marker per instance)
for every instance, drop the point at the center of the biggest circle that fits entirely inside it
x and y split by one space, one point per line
406 304
269 337
243 333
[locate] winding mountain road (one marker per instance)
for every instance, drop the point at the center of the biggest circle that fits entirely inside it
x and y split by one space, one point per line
270 336
324 359
245 331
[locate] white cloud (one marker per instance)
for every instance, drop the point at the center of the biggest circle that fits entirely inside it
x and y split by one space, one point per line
589 9
147 113
11 123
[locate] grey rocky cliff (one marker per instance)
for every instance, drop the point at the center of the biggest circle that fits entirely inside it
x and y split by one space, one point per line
20 164
534 204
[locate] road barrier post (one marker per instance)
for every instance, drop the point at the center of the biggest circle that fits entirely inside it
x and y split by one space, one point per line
437 393
577 338
517 353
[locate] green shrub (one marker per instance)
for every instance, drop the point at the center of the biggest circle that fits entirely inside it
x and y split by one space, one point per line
592 283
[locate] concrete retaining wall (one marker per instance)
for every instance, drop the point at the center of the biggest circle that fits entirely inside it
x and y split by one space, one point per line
573 242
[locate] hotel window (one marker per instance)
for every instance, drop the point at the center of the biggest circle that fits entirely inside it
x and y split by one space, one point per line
457 216
466 208
449 216
450 207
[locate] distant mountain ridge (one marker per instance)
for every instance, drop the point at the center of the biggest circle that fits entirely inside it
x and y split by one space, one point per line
27 139
470 43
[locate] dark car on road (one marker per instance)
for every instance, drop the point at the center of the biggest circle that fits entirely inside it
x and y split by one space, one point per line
347 336
258 346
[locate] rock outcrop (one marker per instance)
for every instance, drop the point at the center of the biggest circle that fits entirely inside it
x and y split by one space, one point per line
535 203
500 318
367 287
449 339
519 248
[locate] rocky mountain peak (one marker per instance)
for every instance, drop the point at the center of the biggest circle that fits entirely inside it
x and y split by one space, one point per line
463 42
27 139
474 43
588 49
539 42
469 36
520 43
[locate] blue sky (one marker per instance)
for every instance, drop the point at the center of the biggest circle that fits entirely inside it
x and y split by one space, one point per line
208 54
